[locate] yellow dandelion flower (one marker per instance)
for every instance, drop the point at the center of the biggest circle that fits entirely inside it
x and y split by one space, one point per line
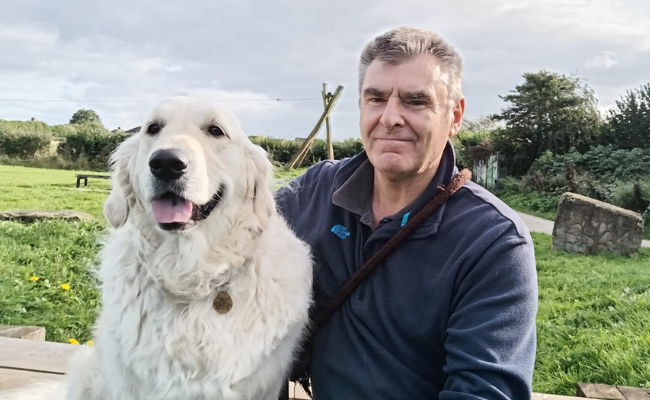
73 341
65 286
33 278
90 343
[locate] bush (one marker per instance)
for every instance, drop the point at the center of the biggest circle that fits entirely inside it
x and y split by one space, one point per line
634 196
280 150
512 185
347 148
24 145
472 147
91 141
24 139
91 145
63 131
605 162
618 177
596 173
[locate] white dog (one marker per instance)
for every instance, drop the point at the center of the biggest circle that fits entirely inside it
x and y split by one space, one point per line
205 289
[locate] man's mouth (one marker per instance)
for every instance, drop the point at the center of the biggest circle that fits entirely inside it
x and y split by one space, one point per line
174 212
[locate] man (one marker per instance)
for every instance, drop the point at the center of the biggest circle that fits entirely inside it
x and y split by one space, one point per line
450 314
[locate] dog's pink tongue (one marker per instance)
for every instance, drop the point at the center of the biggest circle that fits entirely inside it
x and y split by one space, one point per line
171 210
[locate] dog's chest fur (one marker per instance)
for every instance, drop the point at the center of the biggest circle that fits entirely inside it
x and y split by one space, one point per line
162 337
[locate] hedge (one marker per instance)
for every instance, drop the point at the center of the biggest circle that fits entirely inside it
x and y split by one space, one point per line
24 139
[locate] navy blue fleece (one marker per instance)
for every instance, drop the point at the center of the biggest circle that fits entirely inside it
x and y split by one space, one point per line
449 315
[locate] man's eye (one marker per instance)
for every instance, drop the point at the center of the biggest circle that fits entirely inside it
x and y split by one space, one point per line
416 103
376 100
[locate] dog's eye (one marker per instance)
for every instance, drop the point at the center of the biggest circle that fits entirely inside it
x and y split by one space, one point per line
215 131
153 129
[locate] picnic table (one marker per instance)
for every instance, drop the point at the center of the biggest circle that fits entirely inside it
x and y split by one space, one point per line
86 176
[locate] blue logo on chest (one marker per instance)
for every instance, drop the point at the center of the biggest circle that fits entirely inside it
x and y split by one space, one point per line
340 231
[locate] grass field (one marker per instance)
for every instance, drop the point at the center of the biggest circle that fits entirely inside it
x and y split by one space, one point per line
593 322
593 318
36 188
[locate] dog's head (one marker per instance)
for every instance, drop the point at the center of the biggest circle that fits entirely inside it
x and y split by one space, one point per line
190 157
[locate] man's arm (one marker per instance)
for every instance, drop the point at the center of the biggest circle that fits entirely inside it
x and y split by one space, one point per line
491 336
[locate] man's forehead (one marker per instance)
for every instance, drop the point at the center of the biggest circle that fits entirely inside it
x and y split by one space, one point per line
420 74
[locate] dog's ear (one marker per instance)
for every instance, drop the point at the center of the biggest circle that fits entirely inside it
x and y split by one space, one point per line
260 172
121 197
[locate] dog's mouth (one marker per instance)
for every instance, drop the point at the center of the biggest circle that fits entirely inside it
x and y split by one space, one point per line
174 212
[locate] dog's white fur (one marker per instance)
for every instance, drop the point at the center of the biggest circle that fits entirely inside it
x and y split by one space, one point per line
158 336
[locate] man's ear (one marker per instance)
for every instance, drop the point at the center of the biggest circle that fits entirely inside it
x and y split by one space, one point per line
458 111
121 198
259 173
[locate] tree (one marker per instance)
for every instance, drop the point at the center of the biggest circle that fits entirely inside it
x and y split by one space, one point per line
84 116
480 124
548 111
628 123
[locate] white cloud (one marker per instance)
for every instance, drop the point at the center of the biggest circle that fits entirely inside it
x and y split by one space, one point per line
513 6
174 68
26 35
604 60
144 65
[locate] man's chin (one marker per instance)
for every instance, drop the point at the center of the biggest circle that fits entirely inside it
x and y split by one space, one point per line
396 167
392 164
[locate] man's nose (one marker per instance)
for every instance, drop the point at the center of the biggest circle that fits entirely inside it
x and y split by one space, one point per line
392 115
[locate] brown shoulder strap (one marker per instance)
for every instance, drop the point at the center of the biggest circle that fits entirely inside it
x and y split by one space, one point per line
434 204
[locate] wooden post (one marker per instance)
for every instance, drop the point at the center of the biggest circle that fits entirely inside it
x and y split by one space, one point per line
302 152
327 97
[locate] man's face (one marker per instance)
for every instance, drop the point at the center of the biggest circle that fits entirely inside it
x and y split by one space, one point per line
406 116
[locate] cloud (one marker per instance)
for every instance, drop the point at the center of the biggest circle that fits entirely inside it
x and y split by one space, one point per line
119 57
604 60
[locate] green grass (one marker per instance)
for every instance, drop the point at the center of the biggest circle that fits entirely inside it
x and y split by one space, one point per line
35 188
532 203
57 253
592 323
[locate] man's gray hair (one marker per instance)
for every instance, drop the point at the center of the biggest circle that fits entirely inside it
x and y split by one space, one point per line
405 43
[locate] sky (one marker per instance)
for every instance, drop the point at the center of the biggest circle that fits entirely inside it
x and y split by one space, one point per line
120 57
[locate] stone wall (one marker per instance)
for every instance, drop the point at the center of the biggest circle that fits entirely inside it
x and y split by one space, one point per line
587 226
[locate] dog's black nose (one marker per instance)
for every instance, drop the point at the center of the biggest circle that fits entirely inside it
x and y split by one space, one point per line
168 164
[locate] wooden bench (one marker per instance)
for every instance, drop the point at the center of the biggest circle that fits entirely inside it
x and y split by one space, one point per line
24 363
23 332
608 392
86 176
28 362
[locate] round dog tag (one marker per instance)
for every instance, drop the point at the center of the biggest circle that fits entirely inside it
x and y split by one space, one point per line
222 303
